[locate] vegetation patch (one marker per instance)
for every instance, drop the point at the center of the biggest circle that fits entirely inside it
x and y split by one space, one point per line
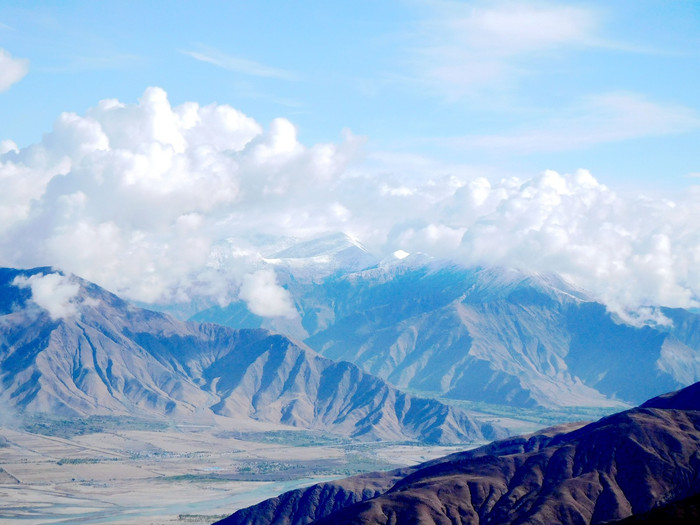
83 461
66 428
543 417
201 518
294 438
194 478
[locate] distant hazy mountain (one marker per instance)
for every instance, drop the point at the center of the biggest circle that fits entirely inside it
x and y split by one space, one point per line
625 464
103 355
323 256
485 334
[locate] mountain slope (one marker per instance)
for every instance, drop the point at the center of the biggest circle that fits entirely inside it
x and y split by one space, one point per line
108 357
622 465
486 334
681 512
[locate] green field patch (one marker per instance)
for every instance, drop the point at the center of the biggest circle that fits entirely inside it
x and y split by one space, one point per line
66 428
294 438
83 461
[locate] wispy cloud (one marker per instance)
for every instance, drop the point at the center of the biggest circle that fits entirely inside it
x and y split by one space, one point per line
238 64
467 47
609 117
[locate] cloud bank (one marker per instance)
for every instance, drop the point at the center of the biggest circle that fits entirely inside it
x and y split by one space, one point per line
162 203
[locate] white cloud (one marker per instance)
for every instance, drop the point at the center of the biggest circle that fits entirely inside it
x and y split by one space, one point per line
12 70
53 292
630 252
469 46
265 297
135 196
8 145
513 28
161 203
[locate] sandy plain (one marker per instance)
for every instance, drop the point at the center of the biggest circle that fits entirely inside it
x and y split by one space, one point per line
191 474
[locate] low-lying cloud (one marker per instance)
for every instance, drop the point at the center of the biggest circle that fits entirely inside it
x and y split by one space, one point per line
53 292
162 203
265 297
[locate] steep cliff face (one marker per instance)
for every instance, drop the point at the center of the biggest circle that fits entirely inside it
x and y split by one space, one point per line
622 465
105 356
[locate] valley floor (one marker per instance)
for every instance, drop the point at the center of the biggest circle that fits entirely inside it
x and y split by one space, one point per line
180 474
131 471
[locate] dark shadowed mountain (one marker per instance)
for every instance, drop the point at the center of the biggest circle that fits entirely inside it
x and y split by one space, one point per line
682 512
622 465
93 353
484 334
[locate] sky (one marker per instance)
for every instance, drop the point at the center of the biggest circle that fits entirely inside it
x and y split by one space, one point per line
158 148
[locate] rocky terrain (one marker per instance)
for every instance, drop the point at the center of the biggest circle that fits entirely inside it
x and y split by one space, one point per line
622 465
98 354
490 335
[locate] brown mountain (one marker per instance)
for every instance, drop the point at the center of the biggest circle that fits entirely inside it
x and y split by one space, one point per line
106 356
493 335
623 465
682 512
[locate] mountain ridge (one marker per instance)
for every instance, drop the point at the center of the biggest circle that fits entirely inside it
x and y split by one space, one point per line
110 357
622 465
495 335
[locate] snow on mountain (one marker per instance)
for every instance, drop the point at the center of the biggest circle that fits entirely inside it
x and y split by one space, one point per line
323 256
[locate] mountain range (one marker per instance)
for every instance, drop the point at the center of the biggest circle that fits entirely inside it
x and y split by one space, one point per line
99 354
367 332
643 462
493 335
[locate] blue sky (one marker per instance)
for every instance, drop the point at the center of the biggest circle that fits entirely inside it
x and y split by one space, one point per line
511 88
161 149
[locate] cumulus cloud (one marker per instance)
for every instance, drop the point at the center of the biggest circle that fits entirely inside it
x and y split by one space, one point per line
265 297
137 197
165 204
629 251
12 70
53 292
